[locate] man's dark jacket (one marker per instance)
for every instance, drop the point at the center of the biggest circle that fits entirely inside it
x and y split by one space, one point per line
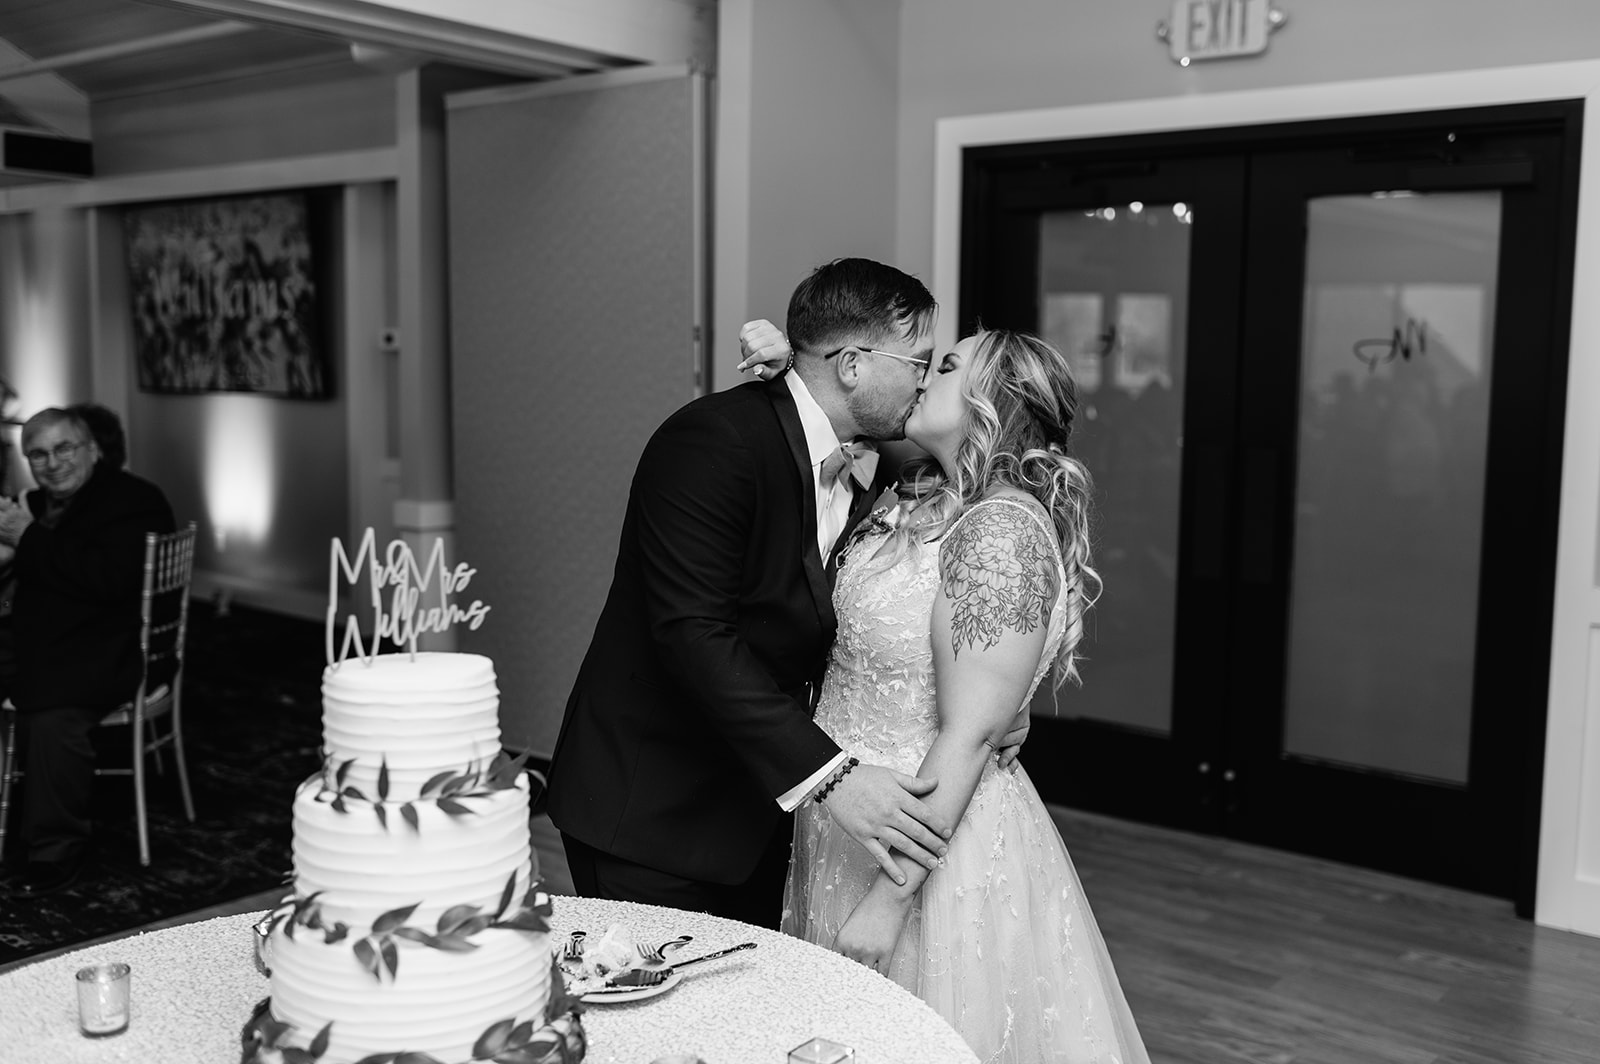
76 613
691 713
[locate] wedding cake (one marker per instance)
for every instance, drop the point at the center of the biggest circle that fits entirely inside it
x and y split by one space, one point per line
414 930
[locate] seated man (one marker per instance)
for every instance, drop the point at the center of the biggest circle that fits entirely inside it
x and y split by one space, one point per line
78 545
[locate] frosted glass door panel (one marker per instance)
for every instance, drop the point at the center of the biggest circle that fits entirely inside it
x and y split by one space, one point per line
1114 300
1396 350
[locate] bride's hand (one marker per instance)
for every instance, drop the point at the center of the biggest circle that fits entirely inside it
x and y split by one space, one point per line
763 346
870 933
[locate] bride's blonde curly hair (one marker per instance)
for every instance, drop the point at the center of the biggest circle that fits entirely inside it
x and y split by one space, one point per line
1021 400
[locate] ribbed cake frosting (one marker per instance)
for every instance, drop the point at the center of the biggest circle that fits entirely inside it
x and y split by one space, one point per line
434 713
411 928
439 1003
358 872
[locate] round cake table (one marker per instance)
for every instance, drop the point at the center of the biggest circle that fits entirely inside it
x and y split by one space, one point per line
194 987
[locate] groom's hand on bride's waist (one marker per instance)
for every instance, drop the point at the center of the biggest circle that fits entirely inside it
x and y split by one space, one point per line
882 809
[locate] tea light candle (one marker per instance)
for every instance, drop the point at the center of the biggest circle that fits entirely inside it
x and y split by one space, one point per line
821 1051
103 999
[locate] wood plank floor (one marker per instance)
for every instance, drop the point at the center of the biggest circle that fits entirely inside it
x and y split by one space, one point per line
1235 954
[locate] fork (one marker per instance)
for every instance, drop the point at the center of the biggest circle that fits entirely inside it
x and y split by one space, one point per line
658 954
573 950
638 977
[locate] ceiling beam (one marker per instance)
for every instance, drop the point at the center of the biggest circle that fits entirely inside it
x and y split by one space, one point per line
48 99
516 36
121 49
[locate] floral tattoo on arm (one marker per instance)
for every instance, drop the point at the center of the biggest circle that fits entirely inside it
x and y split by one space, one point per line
999 575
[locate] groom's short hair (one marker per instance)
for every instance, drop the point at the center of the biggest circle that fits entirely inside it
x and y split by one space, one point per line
857 301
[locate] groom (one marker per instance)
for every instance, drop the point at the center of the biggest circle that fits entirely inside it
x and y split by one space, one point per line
688 736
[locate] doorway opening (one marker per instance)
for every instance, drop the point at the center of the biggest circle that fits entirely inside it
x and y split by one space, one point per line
1322 375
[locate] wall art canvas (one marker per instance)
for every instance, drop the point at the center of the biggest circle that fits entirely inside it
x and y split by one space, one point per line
224 297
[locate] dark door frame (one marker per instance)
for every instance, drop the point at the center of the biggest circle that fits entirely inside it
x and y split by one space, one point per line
1121 160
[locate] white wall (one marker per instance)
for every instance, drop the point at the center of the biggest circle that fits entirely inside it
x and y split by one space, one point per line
805 151
44 338
960 57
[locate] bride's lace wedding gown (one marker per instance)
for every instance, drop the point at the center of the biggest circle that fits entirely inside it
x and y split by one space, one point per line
1001 941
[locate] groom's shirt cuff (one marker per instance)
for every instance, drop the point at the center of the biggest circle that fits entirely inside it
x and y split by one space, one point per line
790 800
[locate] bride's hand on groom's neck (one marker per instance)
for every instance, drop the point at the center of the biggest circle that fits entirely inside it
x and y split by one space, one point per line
764 348
883 811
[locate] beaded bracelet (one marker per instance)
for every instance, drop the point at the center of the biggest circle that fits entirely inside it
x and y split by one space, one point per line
838 774
761 368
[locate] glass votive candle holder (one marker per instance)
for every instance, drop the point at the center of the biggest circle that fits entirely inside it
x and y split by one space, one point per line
103 999
821 1051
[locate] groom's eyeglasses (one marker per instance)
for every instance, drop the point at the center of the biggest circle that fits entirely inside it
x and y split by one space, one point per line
920 363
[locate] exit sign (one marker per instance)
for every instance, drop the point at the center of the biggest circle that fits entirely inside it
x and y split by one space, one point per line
1218 29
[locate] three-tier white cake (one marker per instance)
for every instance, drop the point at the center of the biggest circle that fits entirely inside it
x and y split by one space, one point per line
414 926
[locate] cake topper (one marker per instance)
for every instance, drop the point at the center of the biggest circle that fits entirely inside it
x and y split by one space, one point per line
405 619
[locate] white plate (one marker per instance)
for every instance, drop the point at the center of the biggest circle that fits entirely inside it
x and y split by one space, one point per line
631 993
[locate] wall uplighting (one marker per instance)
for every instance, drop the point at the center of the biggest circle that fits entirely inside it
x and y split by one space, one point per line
240 469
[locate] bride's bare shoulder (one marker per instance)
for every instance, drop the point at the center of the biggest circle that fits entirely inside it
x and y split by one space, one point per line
1006 491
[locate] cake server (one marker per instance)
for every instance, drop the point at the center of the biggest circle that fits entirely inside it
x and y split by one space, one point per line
711 956
637 977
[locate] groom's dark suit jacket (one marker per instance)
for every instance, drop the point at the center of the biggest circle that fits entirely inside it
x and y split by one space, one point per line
691 713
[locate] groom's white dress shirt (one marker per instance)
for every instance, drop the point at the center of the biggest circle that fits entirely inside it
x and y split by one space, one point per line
833 510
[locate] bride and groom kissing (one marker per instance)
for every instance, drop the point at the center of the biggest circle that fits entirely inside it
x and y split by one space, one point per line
799 716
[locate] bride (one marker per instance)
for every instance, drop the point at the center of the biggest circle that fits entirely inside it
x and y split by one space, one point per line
953 607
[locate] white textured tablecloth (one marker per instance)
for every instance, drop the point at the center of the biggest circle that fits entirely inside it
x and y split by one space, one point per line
194 987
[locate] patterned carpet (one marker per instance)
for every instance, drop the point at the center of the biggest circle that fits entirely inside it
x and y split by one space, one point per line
252 726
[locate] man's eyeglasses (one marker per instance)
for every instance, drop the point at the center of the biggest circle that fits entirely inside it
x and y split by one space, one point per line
61 452
920 363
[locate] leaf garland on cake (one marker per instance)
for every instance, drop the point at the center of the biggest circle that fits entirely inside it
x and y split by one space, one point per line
559 1040
302 911
505 896
435 782
492 1041
263 1039
452 933
377 952
306 912
261 1031
503 772
393 918
475 781
561 1000
534 915
455 926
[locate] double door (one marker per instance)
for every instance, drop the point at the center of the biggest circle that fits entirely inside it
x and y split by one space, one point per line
1321 374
